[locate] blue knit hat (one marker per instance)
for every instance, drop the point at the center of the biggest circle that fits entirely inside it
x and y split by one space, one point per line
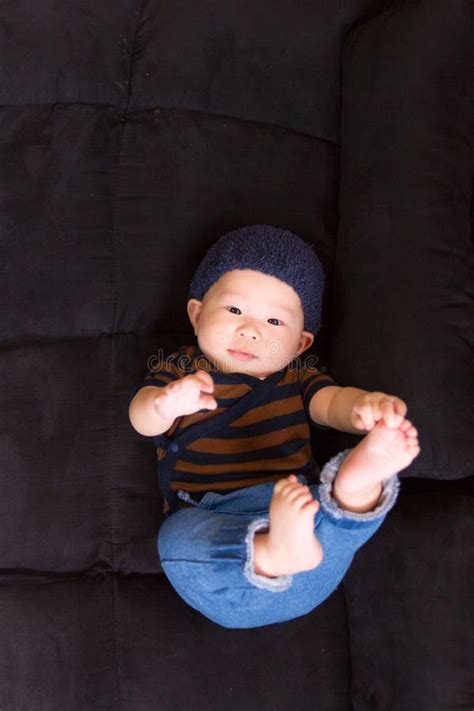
273 251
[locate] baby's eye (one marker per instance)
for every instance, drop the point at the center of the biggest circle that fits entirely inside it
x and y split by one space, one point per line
275 321
234 310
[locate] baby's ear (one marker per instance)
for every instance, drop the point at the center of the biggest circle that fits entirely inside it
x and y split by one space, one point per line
306 340
194 310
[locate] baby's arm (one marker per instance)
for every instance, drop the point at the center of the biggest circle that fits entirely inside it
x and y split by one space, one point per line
332 406
143 414
354 410
153 410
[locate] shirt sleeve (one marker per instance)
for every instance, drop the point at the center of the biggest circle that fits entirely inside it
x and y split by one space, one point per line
312 380
163 372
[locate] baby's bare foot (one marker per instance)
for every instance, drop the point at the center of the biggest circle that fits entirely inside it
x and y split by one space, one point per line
383 452
290 545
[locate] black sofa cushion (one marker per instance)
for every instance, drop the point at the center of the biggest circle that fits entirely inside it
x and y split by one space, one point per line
403 307
403 302
409 599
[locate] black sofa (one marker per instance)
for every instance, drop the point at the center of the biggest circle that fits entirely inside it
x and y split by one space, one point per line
133 135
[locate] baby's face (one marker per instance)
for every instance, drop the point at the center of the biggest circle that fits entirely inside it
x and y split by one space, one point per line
249 322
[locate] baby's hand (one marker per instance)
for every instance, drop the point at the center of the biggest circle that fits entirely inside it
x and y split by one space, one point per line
372 407
185 396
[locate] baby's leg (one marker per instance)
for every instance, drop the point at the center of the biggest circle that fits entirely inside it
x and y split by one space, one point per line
290 546
207 552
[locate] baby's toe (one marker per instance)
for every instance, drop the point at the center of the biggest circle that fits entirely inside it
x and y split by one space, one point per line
281 483
311 507
394 421
298 491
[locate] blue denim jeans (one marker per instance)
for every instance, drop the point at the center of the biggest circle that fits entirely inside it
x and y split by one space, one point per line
206 552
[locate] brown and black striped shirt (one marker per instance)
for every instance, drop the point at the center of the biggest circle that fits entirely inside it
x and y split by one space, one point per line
214 450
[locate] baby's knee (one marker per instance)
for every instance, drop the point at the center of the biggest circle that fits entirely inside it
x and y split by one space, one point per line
190 531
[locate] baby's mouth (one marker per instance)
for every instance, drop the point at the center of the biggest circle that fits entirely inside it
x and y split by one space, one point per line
240 355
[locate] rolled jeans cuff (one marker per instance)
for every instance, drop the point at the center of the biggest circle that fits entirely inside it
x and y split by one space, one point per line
278 584
390 491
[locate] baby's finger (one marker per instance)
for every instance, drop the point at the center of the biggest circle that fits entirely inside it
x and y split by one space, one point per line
365 413
358 422
388 414
391 417
205 380
400 407
207 402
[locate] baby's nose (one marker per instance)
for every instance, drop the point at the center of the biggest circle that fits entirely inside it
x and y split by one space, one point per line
249 332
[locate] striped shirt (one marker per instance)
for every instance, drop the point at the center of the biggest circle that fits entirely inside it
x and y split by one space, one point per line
259 431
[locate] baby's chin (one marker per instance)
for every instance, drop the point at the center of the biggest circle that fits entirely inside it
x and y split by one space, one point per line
255 367
254 372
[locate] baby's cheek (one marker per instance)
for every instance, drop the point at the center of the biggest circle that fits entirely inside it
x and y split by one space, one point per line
273 348
277 354
220 336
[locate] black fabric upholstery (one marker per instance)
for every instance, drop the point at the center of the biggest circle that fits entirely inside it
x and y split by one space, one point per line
133 135
404 263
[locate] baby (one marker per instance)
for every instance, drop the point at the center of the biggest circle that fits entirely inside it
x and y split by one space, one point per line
230 422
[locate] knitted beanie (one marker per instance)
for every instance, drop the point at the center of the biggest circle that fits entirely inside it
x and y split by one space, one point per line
270 250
